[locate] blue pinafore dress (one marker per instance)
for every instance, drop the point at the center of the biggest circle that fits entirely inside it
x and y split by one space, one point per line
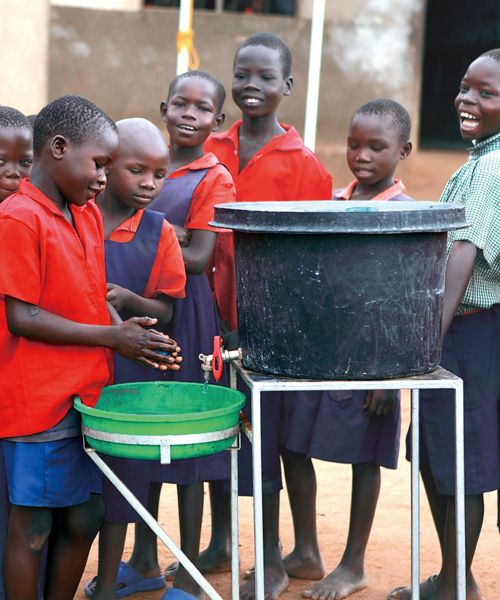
129 265
193 326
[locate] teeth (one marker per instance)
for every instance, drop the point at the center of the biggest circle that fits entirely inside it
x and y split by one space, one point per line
252 100
466 115
187 127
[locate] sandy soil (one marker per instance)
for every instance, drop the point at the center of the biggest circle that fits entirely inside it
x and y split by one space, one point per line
388 556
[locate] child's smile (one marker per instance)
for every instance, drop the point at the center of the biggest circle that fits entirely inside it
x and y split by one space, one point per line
258 82
478 101
190 113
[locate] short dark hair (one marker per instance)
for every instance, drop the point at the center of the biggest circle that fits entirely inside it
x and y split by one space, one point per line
11 118
383 107
220 91
494 53
269 40
74 117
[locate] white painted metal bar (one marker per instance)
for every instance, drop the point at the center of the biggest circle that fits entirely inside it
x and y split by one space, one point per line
257 492
415 495
460 489
185 22
235 549
314 73
153 524
437 379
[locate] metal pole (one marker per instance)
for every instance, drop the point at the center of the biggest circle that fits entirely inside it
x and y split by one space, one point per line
460 490
235 551
415 495
153 524
313 79
257 493
185 29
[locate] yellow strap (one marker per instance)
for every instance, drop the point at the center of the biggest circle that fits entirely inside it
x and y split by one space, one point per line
185 42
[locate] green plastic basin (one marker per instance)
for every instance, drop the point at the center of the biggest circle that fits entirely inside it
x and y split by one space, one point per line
162 420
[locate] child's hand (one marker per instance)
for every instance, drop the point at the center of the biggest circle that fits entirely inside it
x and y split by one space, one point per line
117 296
183 235
146 346
379 402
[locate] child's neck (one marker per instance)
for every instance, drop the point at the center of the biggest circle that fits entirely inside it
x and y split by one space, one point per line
180 156
369 191
254 134
41 179
260 128
114 212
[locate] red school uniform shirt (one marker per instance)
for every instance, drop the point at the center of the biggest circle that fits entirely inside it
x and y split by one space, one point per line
394 192
168 275
46 262
283 169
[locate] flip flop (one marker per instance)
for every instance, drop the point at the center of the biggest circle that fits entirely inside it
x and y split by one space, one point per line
177 594
129 581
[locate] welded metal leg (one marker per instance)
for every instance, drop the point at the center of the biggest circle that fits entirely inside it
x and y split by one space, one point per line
257 494
460 490
415 495
235 555
152 523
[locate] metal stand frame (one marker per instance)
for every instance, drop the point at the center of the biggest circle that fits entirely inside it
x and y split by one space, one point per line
153 523
438 379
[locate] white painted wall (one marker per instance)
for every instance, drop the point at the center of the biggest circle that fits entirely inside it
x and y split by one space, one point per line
24 31
101 4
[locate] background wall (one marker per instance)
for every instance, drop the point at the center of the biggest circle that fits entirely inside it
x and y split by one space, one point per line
25 42
124 60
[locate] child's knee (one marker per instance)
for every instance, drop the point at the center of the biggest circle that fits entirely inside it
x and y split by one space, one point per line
32 525
84 521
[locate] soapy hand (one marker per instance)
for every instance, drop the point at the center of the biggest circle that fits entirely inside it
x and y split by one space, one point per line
146 346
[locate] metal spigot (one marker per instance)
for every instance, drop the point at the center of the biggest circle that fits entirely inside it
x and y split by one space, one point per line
214 363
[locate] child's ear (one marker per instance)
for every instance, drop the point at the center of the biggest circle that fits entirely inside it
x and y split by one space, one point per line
288 86
58 146
219 120
406 150
163 111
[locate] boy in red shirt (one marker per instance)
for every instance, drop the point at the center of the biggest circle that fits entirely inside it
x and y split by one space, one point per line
268 162
56 336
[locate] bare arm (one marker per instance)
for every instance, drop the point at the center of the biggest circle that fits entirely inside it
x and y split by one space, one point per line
124 299
458 273
129 338
199 250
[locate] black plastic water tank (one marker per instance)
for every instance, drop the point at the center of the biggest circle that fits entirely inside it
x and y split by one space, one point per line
340 290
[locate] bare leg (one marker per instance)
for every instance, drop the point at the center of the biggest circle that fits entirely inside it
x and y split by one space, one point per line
74 529
442 586
29 529
190 498
144 557
276 578
216 558
304 562
111 543
349 576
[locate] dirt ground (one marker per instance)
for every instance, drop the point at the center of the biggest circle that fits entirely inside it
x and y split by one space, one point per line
388 555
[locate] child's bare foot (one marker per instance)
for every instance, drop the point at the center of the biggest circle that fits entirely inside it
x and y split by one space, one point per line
208 563
434 589
304 567
275 583
340 583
